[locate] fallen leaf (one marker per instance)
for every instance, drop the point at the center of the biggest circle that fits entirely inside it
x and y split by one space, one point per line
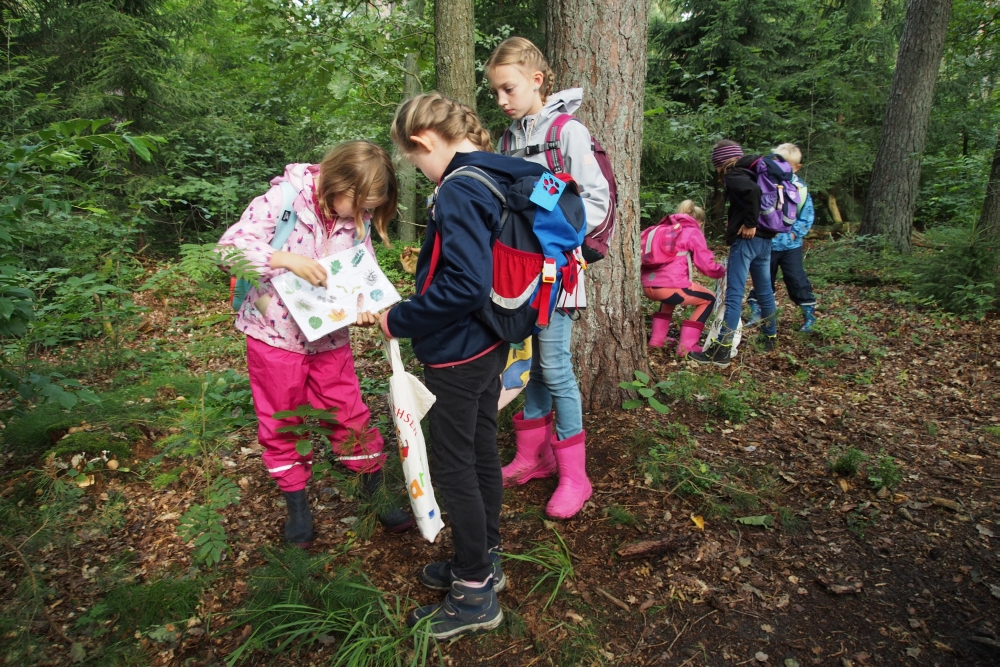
699 521
945 502
767 628
575 617
760 656
647 604
984 531
913 651
844 486
77 652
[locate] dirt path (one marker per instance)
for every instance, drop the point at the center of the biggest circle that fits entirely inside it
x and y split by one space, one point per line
847 573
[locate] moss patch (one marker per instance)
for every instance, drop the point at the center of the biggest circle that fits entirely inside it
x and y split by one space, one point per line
126 409
118 443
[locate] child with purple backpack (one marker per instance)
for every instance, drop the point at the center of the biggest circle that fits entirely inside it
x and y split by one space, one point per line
749 252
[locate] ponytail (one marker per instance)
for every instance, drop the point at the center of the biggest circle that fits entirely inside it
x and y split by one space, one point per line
452 120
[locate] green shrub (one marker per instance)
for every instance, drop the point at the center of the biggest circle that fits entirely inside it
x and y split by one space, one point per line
962 277
846 462
885 473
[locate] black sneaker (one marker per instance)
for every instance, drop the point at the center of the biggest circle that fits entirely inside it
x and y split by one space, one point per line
767 342
718 354
437 576
465 609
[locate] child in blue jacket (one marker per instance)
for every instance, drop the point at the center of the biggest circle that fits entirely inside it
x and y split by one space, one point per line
786 251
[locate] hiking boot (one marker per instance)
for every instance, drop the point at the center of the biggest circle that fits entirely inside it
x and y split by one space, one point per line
717 354
809 318
754 313
767 342
437 576
466 609
393 519
299 525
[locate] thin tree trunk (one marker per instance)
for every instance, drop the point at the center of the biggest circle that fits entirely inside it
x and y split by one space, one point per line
892 194
989 219
455 50
602 47
406 172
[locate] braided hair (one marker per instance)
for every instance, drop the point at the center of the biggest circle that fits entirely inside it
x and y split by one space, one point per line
523 54
452 120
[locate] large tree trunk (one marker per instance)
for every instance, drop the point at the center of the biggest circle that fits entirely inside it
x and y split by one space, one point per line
989 219
892 194
602 47
406 172
455 50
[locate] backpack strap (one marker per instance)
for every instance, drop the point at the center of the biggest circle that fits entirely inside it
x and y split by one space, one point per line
286 223
282 230
505 142
552 146
479 175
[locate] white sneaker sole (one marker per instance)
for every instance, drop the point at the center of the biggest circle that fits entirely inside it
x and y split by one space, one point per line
474 628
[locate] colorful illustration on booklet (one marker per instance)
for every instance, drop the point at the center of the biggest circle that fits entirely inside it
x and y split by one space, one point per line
354 284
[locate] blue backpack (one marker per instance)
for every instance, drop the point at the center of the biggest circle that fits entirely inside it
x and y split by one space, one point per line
535 251
238 289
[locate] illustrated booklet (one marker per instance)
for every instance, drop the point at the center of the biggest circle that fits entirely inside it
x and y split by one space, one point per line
354 284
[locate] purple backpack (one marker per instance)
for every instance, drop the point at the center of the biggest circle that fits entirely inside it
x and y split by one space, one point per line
779 198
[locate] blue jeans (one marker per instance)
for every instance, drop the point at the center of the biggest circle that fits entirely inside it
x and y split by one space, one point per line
789 261
751 256
552 379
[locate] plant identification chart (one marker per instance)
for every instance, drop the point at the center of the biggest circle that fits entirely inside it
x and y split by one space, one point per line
354 284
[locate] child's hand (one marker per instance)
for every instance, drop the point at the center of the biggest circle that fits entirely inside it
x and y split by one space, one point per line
408 258
308 269
747 232
366 319
383 322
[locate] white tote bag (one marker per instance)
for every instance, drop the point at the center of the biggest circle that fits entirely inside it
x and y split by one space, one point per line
409 401
719 315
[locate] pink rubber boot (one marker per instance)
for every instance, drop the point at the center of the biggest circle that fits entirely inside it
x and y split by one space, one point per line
574 488
690 333
534 458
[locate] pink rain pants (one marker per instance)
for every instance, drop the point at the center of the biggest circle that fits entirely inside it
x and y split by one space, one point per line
283 380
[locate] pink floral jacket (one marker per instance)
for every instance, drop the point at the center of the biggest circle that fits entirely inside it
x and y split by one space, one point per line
253 234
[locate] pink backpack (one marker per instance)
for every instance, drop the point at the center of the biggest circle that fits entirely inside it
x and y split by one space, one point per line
659 243
595 244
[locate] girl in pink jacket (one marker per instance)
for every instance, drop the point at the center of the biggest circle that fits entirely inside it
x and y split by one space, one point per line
337 204
670 252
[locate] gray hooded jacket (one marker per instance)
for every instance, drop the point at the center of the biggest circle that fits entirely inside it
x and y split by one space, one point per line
579 160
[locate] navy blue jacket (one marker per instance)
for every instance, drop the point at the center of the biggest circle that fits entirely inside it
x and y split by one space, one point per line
442 321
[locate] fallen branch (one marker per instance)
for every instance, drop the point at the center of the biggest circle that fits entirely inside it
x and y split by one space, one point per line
614 600
655 547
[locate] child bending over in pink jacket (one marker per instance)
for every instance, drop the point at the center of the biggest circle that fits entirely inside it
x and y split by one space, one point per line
670 252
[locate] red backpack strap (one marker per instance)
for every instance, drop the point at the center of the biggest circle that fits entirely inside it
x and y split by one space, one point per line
435 258
505 142
553 150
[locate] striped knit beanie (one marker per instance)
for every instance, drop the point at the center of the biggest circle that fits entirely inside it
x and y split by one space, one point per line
722 154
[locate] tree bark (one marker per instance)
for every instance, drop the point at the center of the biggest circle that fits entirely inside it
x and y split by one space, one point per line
406 172
455 50
892 194
602 47
989 219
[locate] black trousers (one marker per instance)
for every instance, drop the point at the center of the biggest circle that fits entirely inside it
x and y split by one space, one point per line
800 290
465 462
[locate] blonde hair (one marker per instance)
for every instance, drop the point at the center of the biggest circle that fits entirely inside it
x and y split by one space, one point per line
790 152
688 207
452 120
523 54
365 171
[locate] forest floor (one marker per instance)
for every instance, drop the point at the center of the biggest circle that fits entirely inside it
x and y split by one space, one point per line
770 557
